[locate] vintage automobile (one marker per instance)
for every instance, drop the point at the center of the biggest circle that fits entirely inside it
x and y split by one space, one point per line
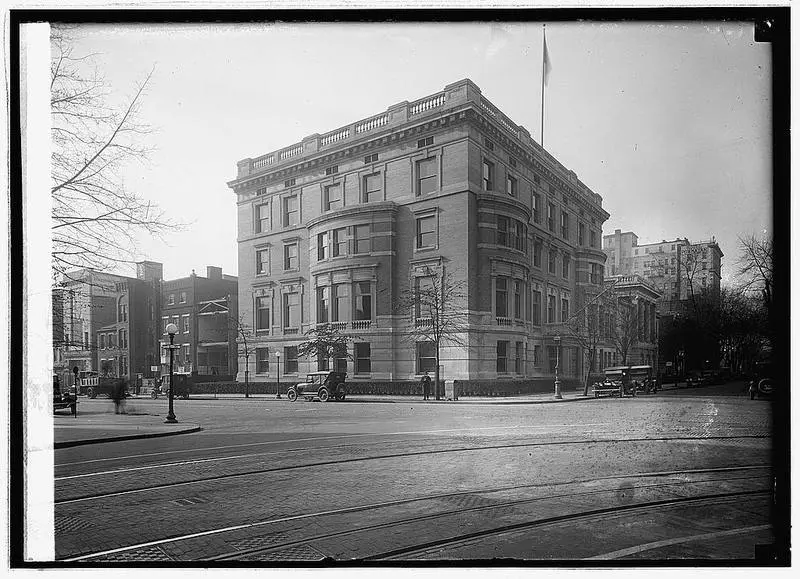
64 400
612 382
761 384
642 379
105 386
181 385
324 385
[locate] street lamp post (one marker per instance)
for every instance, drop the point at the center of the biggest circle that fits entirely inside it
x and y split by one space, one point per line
557 340
278 366
172 329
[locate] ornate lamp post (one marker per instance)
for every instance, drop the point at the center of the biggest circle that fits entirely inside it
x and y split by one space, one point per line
278 365
172 329
557 340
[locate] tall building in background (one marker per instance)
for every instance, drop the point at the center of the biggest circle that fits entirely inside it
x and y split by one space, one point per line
105 323
333 229
679 269
205 311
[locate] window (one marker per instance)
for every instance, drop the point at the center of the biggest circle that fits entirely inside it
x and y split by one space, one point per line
123 365
291 310
291 215
537 216
488 175
171 300
263 320
426 357
86 340
537 307
182 298
187 359
551 309
537 254
339 241
564 225
426 231
537 355
262 218
362 300
426 142
290 359
427 176
110 339
511 185
501 297
518 300
323 301
164 324
262 360
333 197
597 274
564 309
340 359
185 323
290 260
176 320
370 158
363 363
289 182
102 341
322 362
372 188
332 170
581 233
502 356
322 246
424 293
502 230
518 358
551 262
551 216
565 266
341 303
262 261
361 239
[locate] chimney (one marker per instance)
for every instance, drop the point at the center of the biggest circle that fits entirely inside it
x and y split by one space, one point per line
213 272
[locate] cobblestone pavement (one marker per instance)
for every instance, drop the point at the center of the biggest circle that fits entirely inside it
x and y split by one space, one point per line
282 482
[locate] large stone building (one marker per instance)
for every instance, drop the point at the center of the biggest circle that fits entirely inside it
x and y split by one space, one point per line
678 269
335 228
205 311
107 324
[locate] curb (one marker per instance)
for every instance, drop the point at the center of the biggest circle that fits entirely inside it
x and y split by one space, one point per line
71 443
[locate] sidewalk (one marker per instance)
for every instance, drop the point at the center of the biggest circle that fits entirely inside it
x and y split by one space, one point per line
97 427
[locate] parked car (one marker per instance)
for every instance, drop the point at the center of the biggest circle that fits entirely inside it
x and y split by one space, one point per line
696 379
762 384
181 386
105 386
324 385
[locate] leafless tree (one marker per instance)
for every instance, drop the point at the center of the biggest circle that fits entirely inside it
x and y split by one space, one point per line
244 346
435 311
755 266
95 219
623 325
584 328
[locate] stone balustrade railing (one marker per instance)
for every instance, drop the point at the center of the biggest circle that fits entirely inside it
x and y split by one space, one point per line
426 104
335 136
291 151
501 321
423 322
372 123
361 324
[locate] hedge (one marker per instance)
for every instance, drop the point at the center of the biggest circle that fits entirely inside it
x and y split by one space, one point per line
488 388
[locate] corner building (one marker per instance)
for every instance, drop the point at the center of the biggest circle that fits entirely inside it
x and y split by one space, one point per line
335 228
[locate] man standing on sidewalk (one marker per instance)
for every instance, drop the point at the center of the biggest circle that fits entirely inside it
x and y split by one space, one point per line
426 386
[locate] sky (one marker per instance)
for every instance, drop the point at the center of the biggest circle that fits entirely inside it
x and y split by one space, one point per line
669 123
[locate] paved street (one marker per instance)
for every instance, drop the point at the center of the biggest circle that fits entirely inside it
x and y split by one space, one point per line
684 474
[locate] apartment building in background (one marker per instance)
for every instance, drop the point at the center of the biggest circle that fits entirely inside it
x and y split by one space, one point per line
106 323
333 229
205 311
678 269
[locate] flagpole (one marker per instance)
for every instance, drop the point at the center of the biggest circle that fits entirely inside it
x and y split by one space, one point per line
544 64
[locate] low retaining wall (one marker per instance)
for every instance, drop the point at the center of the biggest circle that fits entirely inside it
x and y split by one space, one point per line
488 388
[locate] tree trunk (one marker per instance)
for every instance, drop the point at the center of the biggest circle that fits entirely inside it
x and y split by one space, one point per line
246 375
588 373
436 373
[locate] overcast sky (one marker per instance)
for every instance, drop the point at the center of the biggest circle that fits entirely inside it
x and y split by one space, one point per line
669 123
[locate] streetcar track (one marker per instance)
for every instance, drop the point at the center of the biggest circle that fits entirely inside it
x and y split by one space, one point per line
345 461
464 537
505 504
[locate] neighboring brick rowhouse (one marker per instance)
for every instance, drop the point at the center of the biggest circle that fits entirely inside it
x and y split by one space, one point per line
336 227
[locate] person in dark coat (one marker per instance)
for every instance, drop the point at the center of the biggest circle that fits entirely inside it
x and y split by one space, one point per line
426 386
118 395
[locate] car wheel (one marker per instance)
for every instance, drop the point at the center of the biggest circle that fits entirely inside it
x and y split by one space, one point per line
91 393
323 394
291 395
185 396
340 394
153 394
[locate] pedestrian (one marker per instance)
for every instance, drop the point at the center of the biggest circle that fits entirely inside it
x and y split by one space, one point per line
426 386
118 395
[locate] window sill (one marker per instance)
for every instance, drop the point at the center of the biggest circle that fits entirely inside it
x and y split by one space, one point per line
424 249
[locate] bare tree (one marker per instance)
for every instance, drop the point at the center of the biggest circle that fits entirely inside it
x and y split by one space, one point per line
435 312
623 325
755 266
95 219
244 345
326 342
585 330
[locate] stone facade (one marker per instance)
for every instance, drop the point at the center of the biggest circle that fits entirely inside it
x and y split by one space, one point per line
336 228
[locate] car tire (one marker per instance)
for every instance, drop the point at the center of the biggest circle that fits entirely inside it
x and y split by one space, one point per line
291 395
185 396
91 393
324 395
153 394
340 394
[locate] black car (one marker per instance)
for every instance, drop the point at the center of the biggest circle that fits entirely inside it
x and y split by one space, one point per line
324 385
